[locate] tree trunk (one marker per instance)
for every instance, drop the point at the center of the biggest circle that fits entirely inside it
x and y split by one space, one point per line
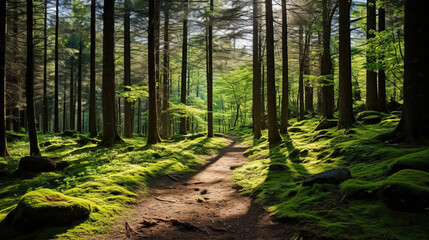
29 85
210 75
413 129
273 129
381 73
153 132
128 106
72 103
65 107
166 85
110 124
301 75
45 84
285 73
327 96
157 63
79 90
371 76
256 75
56 107
3 143
345 118
184 66
92 100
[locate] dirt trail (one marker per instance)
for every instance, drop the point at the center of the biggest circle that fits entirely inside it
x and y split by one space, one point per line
204 206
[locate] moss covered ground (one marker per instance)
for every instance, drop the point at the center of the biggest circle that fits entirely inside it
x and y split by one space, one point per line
355 209
110 179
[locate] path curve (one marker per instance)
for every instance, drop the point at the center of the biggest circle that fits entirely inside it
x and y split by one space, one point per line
206 205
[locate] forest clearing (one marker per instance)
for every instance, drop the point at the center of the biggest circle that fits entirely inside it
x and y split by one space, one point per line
214 119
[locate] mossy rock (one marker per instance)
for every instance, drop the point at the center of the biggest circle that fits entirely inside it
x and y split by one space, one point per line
372 119
418 161
360 116
326 123
295 129
45 207
192 137
83 140
54 147
406 190
358 189
37 164
69 133
11 137
334 176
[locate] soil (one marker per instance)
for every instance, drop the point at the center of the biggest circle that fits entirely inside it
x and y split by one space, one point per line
204 205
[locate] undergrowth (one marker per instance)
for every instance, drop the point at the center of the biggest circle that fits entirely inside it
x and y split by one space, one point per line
329 211
110 178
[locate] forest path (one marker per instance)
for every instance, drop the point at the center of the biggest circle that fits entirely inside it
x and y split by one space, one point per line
203 205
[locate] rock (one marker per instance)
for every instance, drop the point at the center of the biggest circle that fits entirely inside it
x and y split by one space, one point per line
295 129
373 119
363 114
45 207
86 140
192 137
326 123
37 164
279 167
334 176
46 144
69 133
405 197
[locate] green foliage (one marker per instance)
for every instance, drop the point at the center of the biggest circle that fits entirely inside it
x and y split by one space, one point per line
134 92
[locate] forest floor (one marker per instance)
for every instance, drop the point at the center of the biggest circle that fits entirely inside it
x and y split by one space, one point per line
201 205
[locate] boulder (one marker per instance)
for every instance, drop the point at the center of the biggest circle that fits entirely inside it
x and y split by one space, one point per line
45 207
326 123
278 167
37 164
373 119
364 114
83 140
295 129
334 176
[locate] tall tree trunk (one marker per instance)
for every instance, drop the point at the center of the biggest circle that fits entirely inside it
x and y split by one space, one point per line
327 96
371 76
110 124
166 69
79 90
65 107
345 118
29 85
381 73
273 129
184 66
92 100
210 75
413 128
45 84
128 106
284 121
72 102
263 122
153 132
301 75
157 63
256 75
56 107
139 114
16 124
3 143
308 88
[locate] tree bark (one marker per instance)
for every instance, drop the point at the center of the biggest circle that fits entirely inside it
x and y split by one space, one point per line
285 73
153 132
273 129
72 102
45 84
29 85
345 118
157 63
184 66
301 75
327 96
65 107
110 124
257 108
92 100
413 129
371 76
381 73
3 143
79 90
210 75
56 107
166 69
128 106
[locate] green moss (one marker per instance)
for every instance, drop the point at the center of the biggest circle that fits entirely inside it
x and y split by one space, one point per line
418 160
